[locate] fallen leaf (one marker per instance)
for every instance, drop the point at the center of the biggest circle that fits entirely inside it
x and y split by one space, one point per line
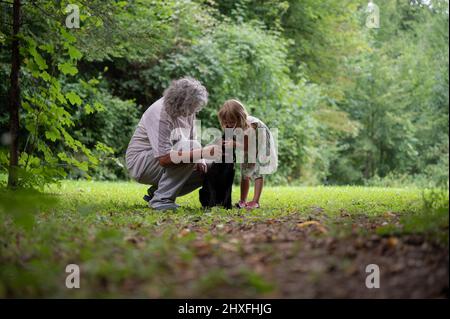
305 224
389 214
184 232
392 242
318 226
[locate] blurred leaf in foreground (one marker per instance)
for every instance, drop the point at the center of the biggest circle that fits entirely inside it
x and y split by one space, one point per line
22 205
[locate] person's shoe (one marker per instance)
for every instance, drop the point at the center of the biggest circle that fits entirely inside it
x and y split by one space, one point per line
150 193
240 204
252 205
168 206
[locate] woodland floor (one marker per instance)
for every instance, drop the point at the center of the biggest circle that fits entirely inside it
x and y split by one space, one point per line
305 242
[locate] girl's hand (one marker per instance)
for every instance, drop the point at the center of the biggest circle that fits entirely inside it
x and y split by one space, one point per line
229 144
201 167
233 144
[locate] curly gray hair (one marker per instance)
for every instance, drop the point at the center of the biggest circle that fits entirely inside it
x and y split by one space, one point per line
184 97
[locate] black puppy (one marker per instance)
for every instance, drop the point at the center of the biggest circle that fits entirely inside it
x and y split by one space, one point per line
218 183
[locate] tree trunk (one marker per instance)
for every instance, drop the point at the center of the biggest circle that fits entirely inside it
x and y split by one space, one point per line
14 99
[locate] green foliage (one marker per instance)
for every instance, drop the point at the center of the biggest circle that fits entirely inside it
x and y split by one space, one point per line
138 31
326 35
267 12
52 96
251 64
351 105
400 98
22 206
48 107
108 119
432 220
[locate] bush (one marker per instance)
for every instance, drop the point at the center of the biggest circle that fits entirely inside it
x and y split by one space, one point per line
249 63
113 126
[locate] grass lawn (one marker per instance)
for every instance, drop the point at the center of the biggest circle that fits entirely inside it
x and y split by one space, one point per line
303 242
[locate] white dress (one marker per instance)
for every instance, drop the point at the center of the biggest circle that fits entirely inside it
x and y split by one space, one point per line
266 159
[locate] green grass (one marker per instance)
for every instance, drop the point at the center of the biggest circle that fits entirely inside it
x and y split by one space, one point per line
126 249
275 200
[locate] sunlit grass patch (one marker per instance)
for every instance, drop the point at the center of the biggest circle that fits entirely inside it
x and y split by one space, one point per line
120 196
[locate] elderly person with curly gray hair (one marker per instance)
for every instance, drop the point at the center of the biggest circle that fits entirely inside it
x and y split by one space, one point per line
150 153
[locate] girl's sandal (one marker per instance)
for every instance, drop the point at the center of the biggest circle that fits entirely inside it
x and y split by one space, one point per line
252 205
240 204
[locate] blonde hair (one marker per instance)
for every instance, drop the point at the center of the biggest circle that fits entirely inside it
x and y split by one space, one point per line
233 111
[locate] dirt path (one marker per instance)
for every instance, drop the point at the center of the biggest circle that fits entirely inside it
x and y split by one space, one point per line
298 258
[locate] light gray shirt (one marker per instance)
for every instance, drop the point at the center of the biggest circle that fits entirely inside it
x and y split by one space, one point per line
156 134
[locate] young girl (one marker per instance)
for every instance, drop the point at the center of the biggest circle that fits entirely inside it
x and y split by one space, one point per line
232 115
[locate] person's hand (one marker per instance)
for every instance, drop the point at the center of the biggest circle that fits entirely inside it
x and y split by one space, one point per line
201 167
234 144
229 144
